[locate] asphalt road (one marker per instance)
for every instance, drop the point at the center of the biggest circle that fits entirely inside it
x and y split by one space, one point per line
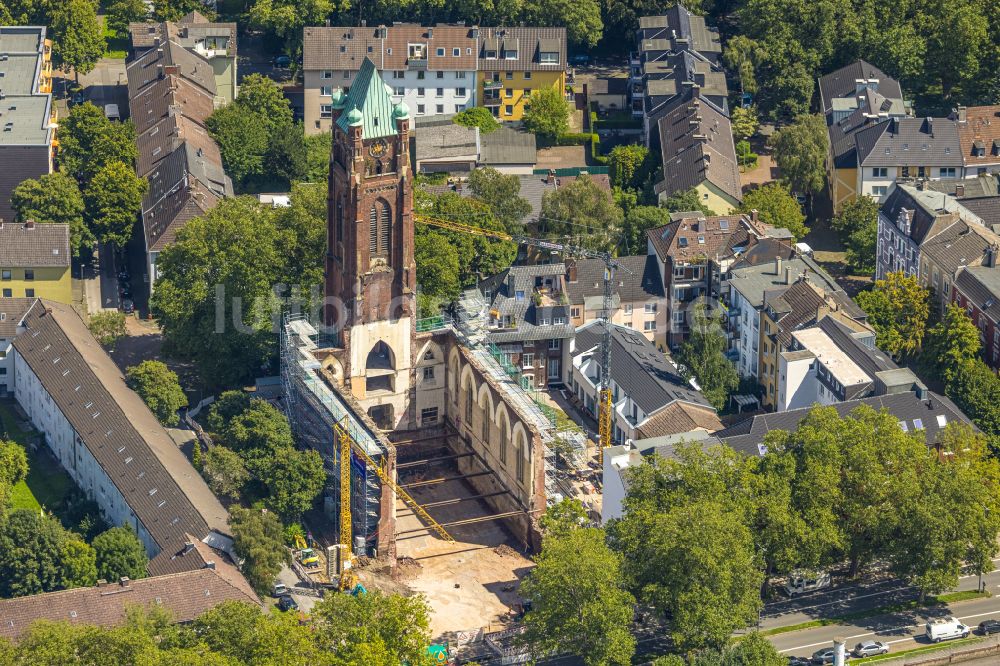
902 631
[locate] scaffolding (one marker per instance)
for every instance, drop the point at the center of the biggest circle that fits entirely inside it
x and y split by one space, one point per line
313 408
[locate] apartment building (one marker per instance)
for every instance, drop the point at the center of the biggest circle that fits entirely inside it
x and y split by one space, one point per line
910 216
979 138
944 255
29 119
696 145
638 298
529 319
650 398
213 43
432 69
515 62
854 97
35 261
977 291
12 314
904 148
675 52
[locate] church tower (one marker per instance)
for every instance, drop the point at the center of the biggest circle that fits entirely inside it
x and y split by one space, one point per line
370 280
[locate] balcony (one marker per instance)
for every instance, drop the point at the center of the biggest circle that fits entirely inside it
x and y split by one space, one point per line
415 63
634 59
492 85
491 101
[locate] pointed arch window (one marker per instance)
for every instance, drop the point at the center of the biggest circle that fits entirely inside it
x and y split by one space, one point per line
486 422
519 454
379 232
468 405
503 441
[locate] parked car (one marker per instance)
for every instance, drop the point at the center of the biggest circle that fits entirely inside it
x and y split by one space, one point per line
111 112
77 98
279 590
870 648
128 307
801 582
580 59
286 603
282 61
825 656
987 627
944 629
798 661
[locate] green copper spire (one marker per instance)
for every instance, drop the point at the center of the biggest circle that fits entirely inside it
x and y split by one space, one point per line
369 98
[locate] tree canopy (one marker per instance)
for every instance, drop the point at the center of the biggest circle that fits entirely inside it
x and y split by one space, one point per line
120 553
777 207
53 197
800 153
78 41
548 115
857 225
897 308
583 213
501 193
258 539
38 555
477 116
113 199
702 356
159 388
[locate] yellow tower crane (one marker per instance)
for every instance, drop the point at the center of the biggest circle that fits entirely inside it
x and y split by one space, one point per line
604 417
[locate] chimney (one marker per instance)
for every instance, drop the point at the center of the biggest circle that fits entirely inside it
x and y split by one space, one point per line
171 70
991 255
29 224
753 214
930 126
101 582
210 565
550 179
777 265
123 581
571 271
364 23
960 190
696 92
188 547
962 113
788 274
430 33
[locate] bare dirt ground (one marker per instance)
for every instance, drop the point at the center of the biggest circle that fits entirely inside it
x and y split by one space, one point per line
472 583
558 157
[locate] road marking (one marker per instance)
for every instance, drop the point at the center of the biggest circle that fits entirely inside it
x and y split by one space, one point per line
882 631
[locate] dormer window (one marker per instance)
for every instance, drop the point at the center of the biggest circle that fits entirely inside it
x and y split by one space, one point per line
418 51
491 55
549 57
510 54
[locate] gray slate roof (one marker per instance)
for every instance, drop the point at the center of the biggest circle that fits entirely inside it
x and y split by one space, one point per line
959 245
508 146
981 285
12 313
753 280
166 493
642 283
909 141
34 246
929 212
842 83
437 137
748 436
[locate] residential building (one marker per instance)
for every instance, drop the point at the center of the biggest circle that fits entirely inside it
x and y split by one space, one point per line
744 292
439 145
29 119
514 62
206 581
945 254
638 298
35 261
696 144
213 43
854 97
12 314
789 308
833 361
432 69
693 252
906 148
910 216
650 398
979 138
916 408
977 290
529 319
674 53
172 92
106 438
610 93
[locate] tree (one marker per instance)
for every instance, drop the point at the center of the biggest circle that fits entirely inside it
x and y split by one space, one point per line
36 555
580 610
745 122
88 141
548 115
159 388
753 650
113 200
221 268
777 207
294 480
437 271
225 472
120 553
262 95
897 308
583 212
318 147
286 153
501 193
286 18
629 165
226 407
857 226
108 326
563 517
581 18
240 632
975 388
260 426
695 565
740 56
702 356
78 40
686 201
13 468
638 221
242 139
122 12
477 116
952 344
55 198
373 628
257 539
800 153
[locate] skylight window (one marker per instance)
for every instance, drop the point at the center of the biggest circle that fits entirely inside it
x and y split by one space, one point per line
918 424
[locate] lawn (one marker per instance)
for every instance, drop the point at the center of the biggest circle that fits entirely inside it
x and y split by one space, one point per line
117 46
47 484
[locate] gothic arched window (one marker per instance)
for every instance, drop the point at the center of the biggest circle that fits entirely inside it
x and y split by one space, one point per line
379 231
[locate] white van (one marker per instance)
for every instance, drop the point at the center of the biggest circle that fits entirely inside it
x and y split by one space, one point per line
944 629
801 582
111 112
